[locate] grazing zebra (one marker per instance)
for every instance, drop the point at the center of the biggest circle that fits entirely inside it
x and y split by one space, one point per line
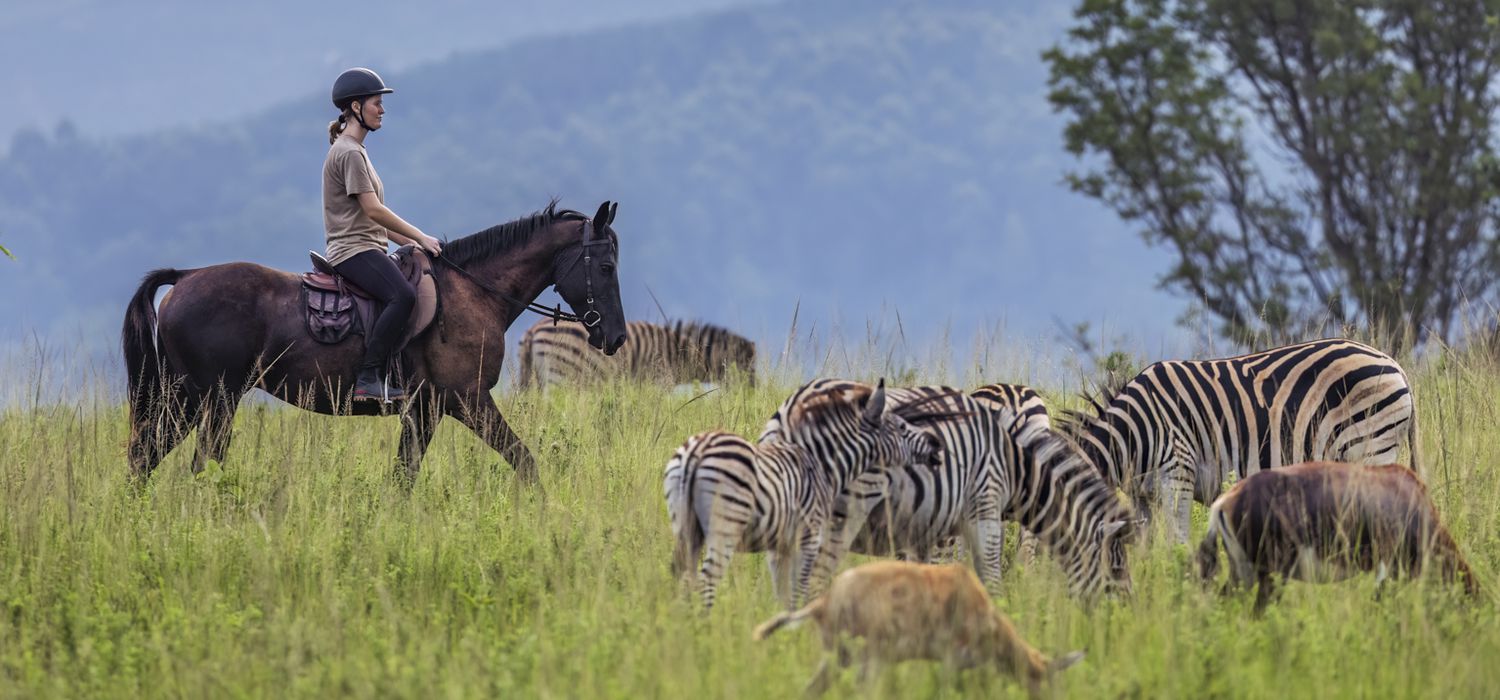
724 493
1179 429
994 464
1028 405
676 353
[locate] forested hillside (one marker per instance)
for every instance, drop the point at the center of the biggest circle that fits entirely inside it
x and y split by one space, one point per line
850 155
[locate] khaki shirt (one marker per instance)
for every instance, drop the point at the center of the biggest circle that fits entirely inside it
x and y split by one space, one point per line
346 173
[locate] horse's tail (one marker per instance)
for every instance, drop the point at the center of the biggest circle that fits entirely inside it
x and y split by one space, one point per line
138 338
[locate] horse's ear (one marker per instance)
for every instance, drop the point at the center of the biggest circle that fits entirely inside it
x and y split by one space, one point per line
613 208
602 218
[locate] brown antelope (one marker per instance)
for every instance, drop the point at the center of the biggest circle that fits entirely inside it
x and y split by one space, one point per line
917 611
1323 521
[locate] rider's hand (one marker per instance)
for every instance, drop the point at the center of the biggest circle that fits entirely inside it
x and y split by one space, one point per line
432 245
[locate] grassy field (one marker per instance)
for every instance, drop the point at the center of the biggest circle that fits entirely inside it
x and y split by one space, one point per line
297 569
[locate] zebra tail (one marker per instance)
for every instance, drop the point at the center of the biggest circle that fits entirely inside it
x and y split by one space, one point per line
1208 550
689 532
789 620
1413 441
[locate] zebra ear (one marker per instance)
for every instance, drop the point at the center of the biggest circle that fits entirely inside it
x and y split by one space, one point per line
875 407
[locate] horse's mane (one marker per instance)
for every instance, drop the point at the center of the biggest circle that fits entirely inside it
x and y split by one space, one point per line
497 239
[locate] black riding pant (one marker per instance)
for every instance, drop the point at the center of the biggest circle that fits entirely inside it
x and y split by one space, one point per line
375 272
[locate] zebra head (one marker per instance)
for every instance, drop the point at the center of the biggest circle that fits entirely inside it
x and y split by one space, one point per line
1080 516
1100 564
898 442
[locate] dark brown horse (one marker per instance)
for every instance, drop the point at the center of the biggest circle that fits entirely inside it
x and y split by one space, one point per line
227 328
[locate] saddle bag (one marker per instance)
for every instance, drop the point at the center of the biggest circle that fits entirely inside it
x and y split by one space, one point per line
330 314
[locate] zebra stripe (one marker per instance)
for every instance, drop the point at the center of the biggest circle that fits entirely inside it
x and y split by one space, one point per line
724 494
995 463
1179 429
1021 399
676 353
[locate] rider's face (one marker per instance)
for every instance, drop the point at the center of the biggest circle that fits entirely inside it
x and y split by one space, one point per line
373 110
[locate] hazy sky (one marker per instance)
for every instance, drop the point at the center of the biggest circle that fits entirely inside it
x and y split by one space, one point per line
113 67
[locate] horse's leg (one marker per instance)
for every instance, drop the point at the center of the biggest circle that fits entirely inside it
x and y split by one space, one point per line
482 416
153 436
417 426
218 422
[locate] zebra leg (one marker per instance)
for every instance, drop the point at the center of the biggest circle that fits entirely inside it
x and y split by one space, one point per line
1175 498
781 564
810 543
985 539
716 554
850 511
988 548
1026 546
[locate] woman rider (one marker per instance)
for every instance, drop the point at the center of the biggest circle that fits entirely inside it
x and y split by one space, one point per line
359 225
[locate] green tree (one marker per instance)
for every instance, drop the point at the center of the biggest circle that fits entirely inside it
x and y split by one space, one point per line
1310 163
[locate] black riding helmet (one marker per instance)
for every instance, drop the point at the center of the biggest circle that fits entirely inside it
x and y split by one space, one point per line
354 84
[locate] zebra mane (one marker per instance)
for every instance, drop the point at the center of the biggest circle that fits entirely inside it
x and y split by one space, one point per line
953 404
835 404
818 403
1099 395
497 239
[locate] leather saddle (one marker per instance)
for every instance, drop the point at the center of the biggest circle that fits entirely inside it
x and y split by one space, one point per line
336 308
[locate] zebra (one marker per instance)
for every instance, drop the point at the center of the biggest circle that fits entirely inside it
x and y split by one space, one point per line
995 464
1176 431
557 353
724 494
1028 406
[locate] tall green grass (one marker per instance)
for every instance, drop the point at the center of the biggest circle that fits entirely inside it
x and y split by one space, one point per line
299 569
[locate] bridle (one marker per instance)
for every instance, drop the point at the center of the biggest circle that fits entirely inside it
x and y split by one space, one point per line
591 316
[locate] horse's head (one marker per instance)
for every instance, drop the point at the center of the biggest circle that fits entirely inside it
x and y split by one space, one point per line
586 280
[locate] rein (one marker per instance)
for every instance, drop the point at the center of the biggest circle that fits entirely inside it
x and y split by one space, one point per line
590 317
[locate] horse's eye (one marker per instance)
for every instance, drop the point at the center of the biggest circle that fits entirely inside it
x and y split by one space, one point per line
607 268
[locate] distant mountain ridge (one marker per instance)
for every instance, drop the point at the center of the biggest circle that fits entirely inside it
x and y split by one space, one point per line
844 156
